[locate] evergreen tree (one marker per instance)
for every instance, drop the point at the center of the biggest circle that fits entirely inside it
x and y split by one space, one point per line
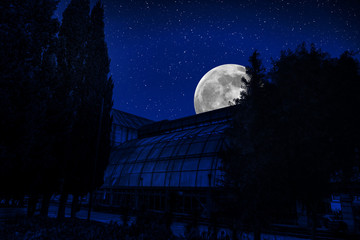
93 124
73 37
27 33
317 135
84 69
98 70
294 136
250 175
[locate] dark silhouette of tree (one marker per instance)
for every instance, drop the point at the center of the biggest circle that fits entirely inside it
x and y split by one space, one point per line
98 63
294 135
93 124
316 116
73 36
84 67
27 70
251 174
56 99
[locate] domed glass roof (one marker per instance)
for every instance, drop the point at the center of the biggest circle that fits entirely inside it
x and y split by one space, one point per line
185 156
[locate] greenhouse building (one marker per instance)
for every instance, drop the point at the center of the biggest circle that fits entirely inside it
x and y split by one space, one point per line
170 164
175 166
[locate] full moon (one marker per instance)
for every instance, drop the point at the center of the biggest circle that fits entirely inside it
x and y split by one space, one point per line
218 87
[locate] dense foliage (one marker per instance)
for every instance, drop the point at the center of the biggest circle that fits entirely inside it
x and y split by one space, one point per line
47 228
295 135
27 76
56 99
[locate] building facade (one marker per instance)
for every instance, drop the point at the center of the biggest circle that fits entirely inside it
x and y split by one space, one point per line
174 166
169 164
125 126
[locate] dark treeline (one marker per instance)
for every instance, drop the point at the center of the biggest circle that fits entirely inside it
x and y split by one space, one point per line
296 137
55 103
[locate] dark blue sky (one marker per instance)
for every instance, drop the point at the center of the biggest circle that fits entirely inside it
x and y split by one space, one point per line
159 50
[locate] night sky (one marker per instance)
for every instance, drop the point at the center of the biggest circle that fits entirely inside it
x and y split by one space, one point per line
160 50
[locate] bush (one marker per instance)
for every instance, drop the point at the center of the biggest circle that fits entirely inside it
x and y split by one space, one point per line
49 228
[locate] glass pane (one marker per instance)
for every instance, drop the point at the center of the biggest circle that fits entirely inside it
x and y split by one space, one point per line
147 140
167 152
158 179
137 167
156 150
218 163
179 135
134 154
115 174
117 170
145 179
134 180
175 165
202 179
188 179
190 164
109 171
161 166
182 150
211 128
118 157
149 166
123 133
127 168
205 163
174 179
211 146
144 153
113 180
124 180
196 148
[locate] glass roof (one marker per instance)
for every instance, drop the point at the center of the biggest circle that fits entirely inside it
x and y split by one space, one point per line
186 157
128 120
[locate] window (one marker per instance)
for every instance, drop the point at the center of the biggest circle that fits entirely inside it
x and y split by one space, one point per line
188 179
190 164
196 148
158 179
161 166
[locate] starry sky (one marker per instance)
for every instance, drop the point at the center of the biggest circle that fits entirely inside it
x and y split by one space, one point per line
160 50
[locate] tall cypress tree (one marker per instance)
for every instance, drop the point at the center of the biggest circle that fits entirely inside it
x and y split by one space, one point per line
27 33
73 37
97 64
84 68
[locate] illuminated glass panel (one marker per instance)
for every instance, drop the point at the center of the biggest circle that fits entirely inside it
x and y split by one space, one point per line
180 157
196 148
182 150
175 165
161 166
168 150
202 179
149 166
137 167
134 179
205 163
124 179
158 179
144 153
174 179
155 152
187 179
190 164
211 146
145 179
